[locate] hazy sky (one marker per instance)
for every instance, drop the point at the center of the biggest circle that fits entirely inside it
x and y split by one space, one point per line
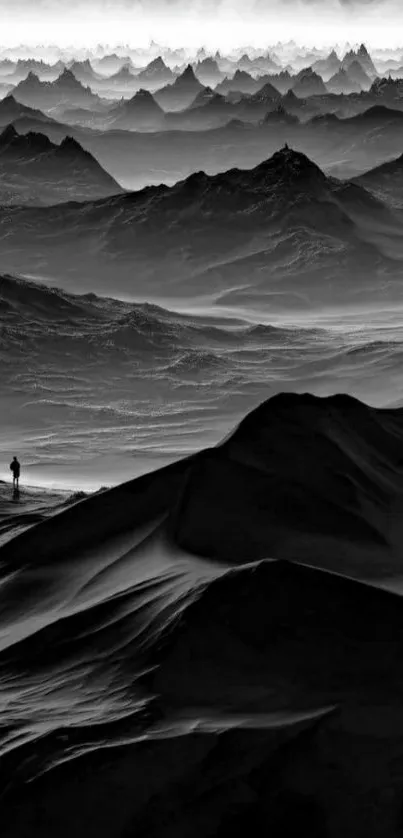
214 23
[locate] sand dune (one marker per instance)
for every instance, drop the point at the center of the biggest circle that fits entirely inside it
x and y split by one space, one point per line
142 622
31 507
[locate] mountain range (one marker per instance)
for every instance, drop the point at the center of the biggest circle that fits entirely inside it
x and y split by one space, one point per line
201 259
141 112
98 102
33 170
155 75
268 236
47 95
181 93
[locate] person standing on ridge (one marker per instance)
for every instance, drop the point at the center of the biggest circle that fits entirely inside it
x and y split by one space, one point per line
16 470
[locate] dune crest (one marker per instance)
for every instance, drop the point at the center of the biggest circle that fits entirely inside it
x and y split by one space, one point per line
138 624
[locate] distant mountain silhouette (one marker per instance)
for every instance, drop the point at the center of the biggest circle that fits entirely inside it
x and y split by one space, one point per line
280 116
42 69
327 67
308 83
33 170
141 111
218 135
207 96
155 75
343 83
241 82
254 107
258 64
110 64
7 67
376 115
295 104
209 109
181 93
267 93
387 89
357 74
84 72
46 95
208 71
11 110
386 179
23 145
364 59
123 82
283 81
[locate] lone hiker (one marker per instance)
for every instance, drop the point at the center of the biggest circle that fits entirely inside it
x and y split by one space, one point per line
16 469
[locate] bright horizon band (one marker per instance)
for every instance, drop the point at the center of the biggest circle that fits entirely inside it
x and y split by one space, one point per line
215 25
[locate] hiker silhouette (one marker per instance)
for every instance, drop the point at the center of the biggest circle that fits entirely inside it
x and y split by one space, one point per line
15 468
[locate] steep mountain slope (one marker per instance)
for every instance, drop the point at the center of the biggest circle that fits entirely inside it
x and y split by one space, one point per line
241 82
387 91
283 81
209 110
139 112
10 110
256 106
358 75
123 83
386 179
282 232
208 72
308 83
33 170
181 93
342 83
364 59
327 67
84 72
46 95
111 63
155 75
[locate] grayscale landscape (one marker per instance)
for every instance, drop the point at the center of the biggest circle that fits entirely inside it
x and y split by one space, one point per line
201 350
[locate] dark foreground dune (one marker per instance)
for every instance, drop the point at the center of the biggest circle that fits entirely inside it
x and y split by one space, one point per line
177 660
30 507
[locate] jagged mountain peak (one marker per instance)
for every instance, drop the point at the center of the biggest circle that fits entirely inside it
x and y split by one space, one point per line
292 164
32 78
205 96
31 143
143 95
142 100
157 64
10 100
35 141
267 93
70 146
188 74
8 134
287 171
67 78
